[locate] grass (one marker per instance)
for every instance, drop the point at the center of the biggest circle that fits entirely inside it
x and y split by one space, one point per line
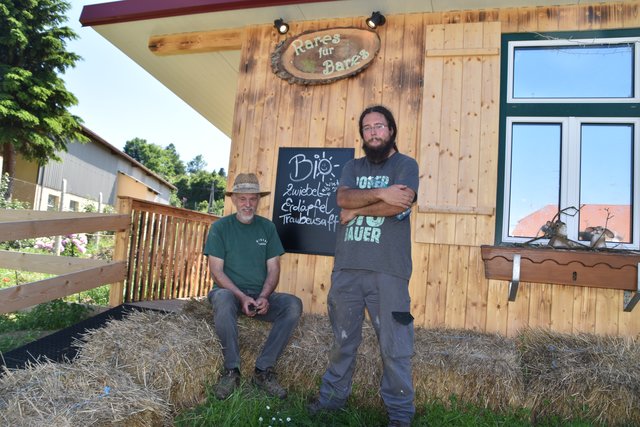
249 407
22 327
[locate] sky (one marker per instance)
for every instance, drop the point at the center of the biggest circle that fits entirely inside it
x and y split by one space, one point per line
118 100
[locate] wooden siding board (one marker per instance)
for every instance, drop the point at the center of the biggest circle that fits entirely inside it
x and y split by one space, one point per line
372 78
540 305
518 310
288 267
267 154
418 283
392 77
469 145
584 309
608 305
547 18
238 141
457 282
411 85
429 149
304 280
257 128
436 300
477 293
562 308
489 119
321 284
497 307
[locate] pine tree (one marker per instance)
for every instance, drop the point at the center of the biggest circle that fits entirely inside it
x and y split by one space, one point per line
34 117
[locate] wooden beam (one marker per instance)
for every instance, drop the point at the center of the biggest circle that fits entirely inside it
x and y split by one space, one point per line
50 264
58 224
461 210
432 53
26 214
196 42
29 294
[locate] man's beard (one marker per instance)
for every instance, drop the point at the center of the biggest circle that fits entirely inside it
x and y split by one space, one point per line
377 154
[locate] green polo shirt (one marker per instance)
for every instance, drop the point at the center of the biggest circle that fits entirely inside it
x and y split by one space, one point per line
245 249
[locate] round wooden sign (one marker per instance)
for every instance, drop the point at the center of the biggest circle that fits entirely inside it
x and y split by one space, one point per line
320 57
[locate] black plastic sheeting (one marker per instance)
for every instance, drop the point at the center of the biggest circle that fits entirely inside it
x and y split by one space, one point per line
57 346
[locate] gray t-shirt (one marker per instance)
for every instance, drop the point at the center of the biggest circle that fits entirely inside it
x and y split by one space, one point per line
381 244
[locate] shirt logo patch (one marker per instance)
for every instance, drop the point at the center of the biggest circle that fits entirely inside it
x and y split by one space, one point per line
261 242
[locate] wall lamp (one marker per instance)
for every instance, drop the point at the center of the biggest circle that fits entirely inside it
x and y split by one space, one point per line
377 19
281 26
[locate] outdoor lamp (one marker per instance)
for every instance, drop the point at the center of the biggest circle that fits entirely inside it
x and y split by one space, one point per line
281 26
377 19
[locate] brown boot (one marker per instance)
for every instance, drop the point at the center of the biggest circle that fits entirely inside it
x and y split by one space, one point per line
267 382
228 382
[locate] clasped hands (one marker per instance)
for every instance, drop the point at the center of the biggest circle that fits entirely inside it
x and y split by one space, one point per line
251 307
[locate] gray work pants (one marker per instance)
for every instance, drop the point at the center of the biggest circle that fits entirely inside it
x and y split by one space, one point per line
284 313
382 295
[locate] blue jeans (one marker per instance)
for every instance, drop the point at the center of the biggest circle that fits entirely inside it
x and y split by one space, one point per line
284 313
387 300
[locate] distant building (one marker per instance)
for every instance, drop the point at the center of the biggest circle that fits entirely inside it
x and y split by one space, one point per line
93 173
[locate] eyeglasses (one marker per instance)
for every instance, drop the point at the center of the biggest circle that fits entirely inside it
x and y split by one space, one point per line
376 127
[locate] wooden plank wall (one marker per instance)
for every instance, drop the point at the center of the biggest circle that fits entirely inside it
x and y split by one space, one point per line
448 287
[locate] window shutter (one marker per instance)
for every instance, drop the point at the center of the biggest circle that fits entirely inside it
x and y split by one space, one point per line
459 144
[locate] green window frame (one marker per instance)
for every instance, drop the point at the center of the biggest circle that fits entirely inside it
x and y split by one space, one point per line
551 135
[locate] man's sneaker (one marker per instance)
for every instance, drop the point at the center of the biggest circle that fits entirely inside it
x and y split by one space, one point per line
315 407
266 381
228 382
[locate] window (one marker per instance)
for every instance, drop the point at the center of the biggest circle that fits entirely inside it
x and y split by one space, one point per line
73 205
569 136
552 71
52 202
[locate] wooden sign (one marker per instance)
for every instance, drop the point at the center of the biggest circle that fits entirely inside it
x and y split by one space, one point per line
320 57
305 211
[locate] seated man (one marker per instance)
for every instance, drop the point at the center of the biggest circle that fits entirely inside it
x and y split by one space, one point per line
244 251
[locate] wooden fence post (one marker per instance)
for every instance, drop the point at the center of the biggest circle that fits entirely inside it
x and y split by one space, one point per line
116 291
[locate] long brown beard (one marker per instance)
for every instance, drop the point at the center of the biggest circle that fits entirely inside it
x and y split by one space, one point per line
378 154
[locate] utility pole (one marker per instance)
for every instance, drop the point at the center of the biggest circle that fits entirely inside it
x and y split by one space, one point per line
212 199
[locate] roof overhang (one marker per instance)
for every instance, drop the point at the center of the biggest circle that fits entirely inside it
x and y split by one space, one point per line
207 81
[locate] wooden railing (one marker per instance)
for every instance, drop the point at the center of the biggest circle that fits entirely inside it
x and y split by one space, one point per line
157 255
75 274
163 247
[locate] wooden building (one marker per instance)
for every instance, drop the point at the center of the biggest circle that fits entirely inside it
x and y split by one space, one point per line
447 69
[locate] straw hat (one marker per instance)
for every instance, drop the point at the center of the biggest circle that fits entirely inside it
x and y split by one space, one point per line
246 183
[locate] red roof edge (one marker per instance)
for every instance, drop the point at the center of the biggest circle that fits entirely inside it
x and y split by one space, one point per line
138 10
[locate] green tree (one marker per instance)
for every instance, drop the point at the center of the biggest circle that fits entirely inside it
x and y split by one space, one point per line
34 117
163 161
197 164
196 188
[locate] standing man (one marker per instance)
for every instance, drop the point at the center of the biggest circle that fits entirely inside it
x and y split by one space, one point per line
372 268
244 251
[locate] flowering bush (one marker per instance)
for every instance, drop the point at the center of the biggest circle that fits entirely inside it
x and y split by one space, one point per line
70 245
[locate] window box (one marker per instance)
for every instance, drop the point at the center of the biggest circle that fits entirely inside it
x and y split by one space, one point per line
592 268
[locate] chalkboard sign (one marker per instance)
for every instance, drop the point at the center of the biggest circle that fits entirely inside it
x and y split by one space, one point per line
305 211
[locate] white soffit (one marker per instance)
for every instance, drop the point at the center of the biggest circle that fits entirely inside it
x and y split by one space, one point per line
207 81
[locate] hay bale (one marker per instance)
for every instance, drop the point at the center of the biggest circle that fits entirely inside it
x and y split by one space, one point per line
170 354
306 357
199 309
483 369
582 375
64 394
